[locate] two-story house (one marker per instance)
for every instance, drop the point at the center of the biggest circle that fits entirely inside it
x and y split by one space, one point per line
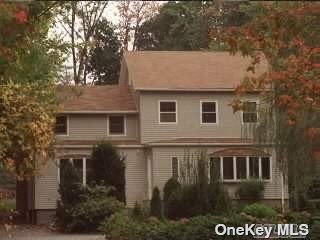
166 103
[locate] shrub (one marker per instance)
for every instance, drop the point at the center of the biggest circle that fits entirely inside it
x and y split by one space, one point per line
137 212
315 229
121 227
94 206
108 169
250 190
298 217
70 190
260 211
171 186
156 205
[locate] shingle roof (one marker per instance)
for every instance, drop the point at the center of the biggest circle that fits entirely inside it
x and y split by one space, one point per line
112 98
192 70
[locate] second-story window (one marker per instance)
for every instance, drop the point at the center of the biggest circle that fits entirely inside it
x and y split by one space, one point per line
116 125
250 112
208 112
61 126
168 112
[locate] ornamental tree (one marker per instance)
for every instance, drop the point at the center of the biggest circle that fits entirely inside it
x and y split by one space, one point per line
29 62
287 36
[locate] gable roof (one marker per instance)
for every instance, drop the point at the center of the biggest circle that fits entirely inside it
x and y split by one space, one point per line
187 70
96 99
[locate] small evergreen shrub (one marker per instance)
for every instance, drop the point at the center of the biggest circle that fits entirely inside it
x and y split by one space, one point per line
251 190
156 204
70 190
171 186
108 168
137 212
260 211
93 207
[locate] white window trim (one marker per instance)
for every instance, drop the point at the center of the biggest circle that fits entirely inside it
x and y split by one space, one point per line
216 112
125 126
68 124
159 113
235 180
178 166
257 104
84 169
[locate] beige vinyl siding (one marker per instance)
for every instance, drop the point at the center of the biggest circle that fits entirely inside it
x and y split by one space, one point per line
46 185
95 127
188 115
161 170
136 175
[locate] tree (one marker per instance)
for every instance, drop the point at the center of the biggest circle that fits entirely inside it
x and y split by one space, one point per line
156 204
79 21
104 58
285 34
132 15
29 61
108 168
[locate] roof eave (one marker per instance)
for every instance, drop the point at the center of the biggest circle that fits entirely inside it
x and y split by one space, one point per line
100 112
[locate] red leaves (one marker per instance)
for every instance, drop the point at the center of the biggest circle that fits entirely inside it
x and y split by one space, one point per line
21 16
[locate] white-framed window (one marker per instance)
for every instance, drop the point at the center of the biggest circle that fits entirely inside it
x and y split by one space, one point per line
250 112
61 125
117 125
237 168
208 112
175 167
79 164
168 111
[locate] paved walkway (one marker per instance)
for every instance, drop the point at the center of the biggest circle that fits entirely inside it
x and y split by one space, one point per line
27 232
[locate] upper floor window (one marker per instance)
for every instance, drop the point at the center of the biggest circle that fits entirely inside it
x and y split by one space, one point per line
208 112
249 112
61 126
116 125
168 112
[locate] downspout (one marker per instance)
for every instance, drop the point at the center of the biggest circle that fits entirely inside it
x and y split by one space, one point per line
149 177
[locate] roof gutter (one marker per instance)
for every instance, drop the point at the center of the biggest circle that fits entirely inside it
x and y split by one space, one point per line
204 144
192 89
90 146
98 112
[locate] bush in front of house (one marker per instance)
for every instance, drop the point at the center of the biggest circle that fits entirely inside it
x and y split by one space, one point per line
108 168
156 204
250 190
70 189
94 205
121 227
260 211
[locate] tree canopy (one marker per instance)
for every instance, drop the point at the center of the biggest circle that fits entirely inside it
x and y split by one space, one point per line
286 34
29 61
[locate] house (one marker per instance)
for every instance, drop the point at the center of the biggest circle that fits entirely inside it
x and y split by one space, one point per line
166 104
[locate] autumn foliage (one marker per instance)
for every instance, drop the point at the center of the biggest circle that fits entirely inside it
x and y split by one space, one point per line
286 35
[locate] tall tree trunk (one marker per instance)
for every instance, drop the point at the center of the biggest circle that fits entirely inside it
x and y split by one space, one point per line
73 47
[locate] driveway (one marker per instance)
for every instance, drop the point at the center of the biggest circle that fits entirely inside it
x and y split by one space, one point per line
27 232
